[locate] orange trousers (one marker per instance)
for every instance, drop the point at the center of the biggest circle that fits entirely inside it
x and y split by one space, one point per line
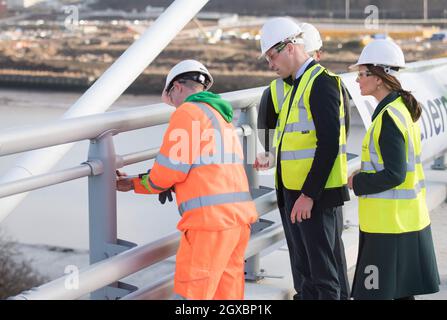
210 264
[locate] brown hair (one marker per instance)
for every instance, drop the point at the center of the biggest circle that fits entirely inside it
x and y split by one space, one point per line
391 82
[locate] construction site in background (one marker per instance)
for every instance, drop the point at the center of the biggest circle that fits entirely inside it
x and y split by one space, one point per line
42 49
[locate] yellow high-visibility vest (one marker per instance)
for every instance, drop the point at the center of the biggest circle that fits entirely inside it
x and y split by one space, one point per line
403 208
297 135
279 90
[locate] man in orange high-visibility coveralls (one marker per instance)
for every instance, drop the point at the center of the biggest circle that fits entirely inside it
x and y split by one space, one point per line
201 158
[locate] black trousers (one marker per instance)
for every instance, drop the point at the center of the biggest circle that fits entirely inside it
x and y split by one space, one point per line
316 250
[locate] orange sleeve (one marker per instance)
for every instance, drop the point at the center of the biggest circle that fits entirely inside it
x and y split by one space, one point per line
138 186
173 162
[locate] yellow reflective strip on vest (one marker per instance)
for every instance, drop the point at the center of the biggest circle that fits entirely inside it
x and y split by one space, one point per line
375 164
303 114
305 153
400 121
273 94
279 90
373 154
279 94
396 194
299 126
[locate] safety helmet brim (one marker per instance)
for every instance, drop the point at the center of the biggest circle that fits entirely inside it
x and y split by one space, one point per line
192 69
278 30
383 53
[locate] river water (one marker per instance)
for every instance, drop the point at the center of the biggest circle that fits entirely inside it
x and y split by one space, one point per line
58 215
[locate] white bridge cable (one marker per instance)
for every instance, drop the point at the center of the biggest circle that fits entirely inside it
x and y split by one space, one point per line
101 95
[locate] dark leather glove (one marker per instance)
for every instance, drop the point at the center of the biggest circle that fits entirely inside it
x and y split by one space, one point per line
165 195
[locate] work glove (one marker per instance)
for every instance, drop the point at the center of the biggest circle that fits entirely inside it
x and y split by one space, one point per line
165 195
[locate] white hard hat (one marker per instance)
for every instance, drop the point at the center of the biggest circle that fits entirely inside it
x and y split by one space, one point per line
190 66
277 30
384 53
312 38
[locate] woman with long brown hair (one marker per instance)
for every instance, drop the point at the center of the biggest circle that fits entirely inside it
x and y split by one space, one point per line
396 258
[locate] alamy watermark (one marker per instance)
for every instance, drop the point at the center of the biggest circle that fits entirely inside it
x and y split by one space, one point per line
372 280
372 20
71 21
72 278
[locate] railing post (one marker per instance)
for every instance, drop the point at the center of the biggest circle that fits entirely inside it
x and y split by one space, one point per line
248 121
102 212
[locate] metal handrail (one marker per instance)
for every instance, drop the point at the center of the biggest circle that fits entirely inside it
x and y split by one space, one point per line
133 260
105 125
95 127
88 168
107 271
26 138
45 180
63 131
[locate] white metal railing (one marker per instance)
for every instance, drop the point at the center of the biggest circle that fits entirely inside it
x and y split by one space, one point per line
20 139
123 259
31 171
100 168
122 265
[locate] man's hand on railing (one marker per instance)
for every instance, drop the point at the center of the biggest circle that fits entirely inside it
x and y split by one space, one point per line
123 183
264 161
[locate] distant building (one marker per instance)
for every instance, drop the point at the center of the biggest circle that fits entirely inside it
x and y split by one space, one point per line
21 4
